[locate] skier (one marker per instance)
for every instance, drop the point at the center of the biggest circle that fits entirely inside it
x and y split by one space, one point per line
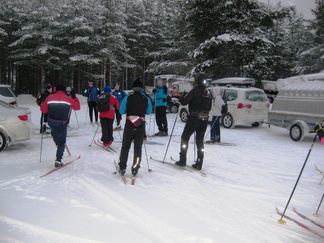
160 97
135 106
216 112
107 115
199 100
120 95
58 108
92 93
40 100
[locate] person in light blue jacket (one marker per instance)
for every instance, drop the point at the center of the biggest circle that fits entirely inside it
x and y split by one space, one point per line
161 99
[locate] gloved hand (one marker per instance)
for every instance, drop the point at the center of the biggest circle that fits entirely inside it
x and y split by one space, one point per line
154 90
73 94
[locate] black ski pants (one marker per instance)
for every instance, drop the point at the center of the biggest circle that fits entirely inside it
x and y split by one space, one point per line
93 108
161 119
193 125
131 134
107 129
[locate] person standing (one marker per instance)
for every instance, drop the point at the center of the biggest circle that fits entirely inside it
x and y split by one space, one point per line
92 93
135 106
216 112
58 108
40 100
107 115
199 100
120 94
160 97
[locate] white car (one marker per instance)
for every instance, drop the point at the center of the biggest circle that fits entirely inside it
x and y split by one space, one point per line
246 106
7 95
15 124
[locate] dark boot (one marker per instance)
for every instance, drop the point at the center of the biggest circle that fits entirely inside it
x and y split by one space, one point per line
198 164
136 166
183 154
182 161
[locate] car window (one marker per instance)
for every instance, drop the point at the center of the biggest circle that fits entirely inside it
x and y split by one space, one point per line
5 91
255 95
230 95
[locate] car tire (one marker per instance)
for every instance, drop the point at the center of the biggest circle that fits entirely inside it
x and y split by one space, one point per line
256 124
228 121
174 109
184 115
3 141
296 132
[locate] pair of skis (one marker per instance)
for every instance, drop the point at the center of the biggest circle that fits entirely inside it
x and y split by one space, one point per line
302 224
124 179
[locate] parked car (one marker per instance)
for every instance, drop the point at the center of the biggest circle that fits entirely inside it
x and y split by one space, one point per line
7 95
246 106
15 124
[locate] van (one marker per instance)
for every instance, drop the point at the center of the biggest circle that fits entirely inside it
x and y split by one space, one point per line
298 107
246 106
7 95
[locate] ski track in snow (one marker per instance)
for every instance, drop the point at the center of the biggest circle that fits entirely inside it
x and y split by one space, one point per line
86 202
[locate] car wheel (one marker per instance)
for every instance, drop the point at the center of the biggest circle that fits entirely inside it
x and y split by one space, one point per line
228 121
296 132
184 115
256 124
174 109
3 141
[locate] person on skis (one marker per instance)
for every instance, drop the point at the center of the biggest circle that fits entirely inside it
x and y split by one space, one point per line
199 100
135 106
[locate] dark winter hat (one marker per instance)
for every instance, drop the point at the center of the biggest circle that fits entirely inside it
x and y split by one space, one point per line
60 87
48 86
158 78
107 89
137 83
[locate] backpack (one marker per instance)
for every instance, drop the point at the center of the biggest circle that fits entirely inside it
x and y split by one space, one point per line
103 102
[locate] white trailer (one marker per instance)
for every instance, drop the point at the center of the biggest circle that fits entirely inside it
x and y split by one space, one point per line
298 107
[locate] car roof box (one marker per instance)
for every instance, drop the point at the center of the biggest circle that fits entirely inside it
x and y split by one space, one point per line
234 81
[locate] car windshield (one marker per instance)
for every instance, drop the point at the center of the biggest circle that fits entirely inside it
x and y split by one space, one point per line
5 104
255 95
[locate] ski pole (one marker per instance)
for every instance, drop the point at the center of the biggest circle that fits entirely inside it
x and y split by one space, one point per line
175 121
94 135
41 148
148 165
76 117
301 171
316 214
85 120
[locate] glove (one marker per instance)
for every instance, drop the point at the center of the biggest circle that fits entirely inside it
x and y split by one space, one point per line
154 91
183 94
73 94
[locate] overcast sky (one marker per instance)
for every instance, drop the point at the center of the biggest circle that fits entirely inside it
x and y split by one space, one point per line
303 6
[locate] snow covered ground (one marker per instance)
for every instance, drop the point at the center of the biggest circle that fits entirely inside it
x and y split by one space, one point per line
86 202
